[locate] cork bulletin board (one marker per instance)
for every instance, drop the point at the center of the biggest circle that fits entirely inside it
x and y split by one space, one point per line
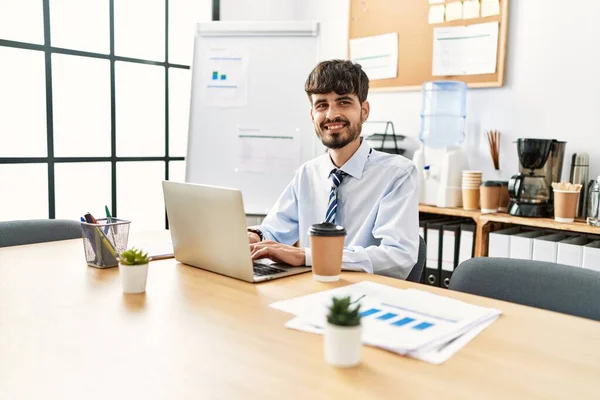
410 20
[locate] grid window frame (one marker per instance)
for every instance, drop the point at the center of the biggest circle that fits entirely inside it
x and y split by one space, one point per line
50 159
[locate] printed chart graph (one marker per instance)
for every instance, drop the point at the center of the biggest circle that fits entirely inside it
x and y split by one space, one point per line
396 320
224 78
216 76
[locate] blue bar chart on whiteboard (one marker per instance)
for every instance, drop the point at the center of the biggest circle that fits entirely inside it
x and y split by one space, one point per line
225 78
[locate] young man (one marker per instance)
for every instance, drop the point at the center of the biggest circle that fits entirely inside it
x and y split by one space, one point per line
376 198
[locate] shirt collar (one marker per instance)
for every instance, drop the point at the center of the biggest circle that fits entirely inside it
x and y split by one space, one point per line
356 164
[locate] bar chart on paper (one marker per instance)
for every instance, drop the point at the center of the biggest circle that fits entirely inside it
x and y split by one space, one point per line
395 320
216 76
225 78
406 321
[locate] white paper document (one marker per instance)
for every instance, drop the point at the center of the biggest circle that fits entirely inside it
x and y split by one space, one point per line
436 14
490 8
470 9
266 150
454 11
225 80
378 55
465 50
406 321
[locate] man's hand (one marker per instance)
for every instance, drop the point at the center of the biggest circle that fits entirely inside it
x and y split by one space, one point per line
253 237
278 252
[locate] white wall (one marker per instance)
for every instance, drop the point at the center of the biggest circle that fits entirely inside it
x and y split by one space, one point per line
258 10
549 92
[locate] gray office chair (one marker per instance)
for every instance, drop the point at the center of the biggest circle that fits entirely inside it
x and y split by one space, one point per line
14 233
550 286
418 271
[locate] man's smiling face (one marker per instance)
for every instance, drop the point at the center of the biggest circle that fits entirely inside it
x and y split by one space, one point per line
337 118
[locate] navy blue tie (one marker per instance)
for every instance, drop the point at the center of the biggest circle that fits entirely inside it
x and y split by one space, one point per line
336 176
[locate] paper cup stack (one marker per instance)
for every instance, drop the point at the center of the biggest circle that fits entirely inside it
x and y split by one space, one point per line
471 180
566 198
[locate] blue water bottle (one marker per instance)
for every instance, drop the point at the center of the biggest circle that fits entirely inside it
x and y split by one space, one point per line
443 113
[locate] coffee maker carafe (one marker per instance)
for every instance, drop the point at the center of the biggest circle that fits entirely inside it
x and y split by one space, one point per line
531 190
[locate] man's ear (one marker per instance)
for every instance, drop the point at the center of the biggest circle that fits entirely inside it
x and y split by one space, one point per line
312 117
365 109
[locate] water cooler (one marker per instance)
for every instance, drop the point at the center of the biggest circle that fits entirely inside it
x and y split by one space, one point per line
440 160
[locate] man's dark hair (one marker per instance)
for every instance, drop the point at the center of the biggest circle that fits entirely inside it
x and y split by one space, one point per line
339 76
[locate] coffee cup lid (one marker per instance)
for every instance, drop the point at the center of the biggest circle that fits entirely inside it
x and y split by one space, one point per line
326 229
491 184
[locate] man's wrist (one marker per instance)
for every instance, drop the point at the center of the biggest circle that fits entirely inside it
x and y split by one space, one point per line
256 231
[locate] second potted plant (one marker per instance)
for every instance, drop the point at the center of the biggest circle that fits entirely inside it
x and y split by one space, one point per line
343 333
133 267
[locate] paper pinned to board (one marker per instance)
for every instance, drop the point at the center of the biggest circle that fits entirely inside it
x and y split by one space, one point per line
225 78
454 11
377 55
261 150
437 13
470 9
465 50
490 8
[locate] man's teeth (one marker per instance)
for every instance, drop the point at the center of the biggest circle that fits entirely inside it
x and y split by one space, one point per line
337 126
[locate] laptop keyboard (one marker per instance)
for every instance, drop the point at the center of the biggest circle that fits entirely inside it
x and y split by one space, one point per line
264 270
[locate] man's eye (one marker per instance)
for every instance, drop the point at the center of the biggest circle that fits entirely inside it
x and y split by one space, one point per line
320 106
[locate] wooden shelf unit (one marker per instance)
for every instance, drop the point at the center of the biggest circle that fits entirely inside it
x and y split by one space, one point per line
486 223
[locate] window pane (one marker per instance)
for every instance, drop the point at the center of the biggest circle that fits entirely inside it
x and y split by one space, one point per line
73 199
28 194
140 102
22 20
81 101
80 25
179 110
183 17
139 194
22 103
177 171
140 29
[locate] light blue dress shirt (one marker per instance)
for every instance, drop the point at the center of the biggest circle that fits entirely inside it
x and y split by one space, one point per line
377 204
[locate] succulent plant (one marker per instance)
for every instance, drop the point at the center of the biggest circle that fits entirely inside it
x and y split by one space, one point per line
133 257
341 313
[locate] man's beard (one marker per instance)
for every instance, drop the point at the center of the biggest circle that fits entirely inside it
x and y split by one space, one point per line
338 140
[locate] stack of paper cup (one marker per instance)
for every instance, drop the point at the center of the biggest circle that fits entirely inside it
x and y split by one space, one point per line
471 180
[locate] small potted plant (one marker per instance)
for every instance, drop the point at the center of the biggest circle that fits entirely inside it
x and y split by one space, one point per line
133 267
343 333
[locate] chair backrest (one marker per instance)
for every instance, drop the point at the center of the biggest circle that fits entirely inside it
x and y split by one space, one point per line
550 286
418 271
14 233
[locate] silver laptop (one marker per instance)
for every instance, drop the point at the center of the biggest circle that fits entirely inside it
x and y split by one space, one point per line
208 231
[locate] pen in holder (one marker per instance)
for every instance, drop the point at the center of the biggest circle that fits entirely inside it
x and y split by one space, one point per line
103 242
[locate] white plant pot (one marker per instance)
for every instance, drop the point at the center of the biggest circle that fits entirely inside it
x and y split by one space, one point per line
133 278
342 345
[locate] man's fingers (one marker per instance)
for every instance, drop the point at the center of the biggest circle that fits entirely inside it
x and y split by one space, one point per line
267 252
260 253
256 249
263 244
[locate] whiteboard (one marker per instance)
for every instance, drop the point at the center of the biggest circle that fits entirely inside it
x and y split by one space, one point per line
250 126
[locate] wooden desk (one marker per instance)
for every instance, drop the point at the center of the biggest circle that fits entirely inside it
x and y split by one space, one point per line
67 331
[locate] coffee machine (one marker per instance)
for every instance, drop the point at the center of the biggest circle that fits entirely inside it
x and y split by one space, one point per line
540 164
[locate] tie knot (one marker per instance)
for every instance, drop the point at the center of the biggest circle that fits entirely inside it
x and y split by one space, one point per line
336 176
